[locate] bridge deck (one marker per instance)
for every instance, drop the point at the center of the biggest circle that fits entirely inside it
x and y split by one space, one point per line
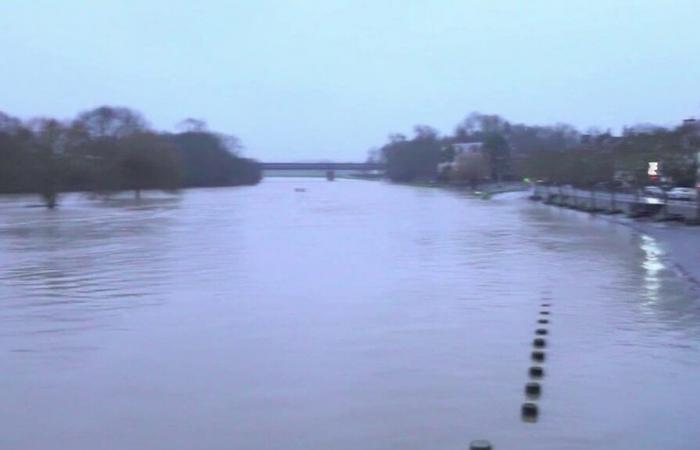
320 166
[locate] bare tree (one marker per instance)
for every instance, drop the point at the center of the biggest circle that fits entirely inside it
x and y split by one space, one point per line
191 125
112 121
9 124
425 132
231 142
49 144
148 161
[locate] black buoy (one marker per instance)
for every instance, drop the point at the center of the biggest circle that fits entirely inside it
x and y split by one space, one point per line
541 331
536 372
544 313
533 389
543 321
538 355
546 305
530 410
481 444
539 343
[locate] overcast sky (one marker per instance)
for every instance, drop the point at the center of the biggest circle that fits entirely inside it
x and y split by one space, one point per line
302 80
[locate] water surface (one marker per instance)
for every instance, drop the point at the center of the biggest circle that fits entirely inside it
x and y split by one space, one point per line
354 315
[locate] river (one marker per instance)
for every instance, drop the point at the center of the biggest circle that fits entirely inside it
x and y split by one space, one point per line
306 314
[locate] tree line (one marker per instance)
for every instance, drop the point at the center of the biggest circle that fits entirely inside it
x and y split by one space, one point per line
557 154
110 149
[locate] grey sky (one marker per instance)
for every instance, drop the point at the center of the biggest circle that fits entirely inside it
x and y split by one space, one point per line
326 79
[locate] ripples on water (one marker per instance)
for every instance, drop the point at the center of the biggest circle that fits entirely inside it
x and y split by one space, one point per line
352 315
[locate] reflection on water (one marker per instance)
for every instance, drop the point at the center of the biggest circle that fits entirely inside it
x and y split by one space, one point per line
652 265
302 314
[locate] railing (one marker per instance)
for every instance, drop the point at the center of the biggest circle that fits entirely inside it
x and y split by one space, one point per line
611 200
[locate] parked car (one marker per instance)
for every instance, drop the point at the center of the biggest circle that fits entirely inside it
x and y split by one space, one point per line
654 191
681 193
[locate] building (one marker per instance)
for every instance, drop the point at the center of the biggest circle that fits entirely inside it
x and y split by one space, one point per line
460 151
468 147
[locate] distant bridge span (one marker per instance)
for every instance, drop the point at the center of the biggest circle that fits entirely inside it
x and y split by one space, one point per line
321 166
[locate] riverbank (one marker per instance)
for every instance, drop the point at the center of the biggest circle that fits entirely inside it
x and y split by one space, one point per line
484 190
490 189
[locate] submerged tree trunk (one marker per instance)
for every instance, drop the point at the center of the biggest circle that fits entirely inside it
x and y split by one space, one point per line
49 185
613 205
50 198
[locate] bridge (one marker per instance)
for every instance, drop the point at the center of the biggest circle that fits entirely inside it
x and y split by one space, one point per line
333 166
